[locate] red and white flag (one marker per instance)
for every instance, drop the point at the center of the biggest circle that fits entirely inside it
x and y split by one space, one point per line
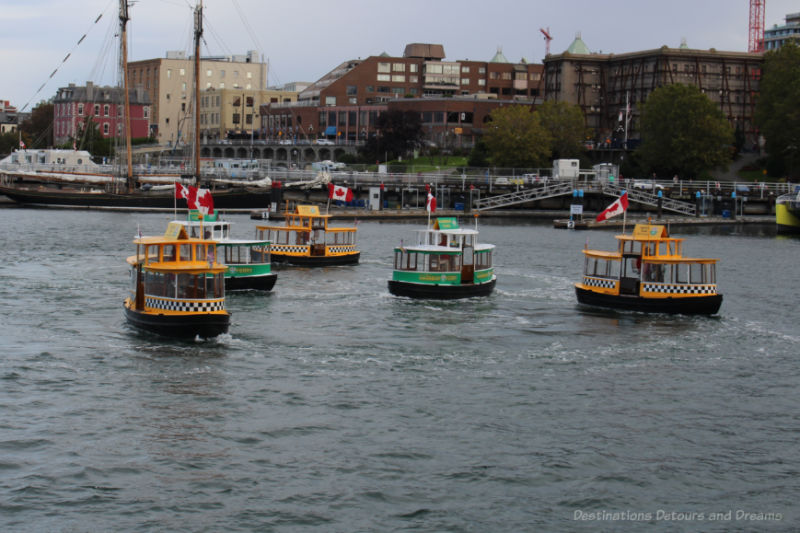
619 206
187 193
431 203
204 202
339 193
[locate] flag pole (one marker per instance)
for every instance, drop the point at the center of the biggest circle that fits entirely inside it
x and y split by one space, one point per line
624 217
175 200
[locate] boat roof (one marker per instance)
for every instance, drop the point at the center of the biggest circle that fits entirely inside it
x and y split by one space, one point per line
648 232
175 233
308 211
448 225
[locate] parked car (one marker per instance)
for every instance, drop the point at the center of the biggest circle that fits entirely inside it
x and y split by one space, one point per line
647 186
325 142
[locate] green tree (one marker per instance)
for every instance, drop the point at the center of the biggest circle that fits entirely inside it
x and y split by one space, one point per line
37 130
515 137
778 108
567 128
8 143
683 132
89 138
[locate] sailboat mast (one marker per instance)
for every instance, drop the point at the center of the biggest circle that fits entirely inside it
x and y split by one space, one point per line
198 33
123 23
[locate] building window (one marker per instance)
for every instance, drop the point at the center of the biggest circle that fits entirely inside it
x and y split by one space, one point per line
353 100
464 81
413 67
482 82
146 112
105 128
97 110
183 72
208 85
222 85
80 109
105 110
169 73
384 77
413 79
383 67
465 70
208 73
482 70
399 67
399 78
352 90
505 76
330 100
249 75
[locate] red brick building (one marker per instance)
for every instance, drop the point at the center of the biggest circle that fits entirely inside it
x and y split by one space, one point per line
104 105
452 97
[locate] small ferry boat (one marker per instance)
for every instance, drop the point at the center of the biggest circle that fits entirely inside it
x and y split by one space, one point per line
446 262
787 212
177 286
248 260
306 239
648 272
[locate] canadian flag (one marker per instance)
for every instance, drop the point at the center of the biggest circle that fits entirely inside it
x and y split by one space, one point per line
620 205
188 193
431 204
339 193
204 202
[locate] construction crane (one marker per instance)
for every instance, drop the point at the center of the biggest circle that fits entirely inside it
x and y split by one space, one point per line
755 42
548 38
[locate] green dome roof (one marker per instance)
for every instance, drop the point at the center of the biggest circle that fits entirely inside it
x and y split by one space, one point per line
578 47
499 57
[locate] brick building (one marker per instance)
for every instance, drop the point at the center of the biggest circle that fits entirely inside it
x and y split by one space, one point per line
609 87
345 103
104 105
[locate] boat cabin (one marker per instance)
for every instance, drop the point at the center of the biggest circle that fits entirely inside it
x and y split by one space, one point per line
306 232
175 267
649 263
453 253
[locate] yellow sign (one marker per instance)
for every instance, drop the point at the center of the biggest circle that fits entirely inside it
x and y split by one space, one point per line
175 231
457 131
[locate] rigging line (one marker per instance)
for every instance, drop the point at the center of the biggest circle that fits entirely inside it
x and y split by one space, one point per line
247 25
68 55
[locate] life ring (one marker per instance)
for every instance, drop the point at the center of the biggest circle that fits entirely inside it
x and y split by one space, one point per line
570 224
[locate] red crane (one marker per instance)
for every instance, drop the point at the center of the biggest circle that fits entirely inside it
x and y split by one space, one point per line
547 39
755 42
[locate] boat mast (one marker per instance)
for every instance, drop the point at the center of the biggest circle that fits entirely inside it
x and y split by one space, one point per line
198 34
123 23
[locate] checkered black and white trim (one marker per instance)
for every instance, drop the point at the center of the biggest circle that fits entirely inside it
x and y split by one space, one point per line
289 248
340 249
603 283
186 306
679 289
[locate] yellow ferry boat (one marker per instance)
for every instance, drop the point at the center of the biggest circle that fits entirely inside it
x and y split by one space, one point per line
787 212
648 272
177 286
306 239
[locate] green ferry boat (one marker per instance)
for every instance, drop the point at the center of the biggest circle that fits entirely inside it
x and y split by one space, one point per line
446 262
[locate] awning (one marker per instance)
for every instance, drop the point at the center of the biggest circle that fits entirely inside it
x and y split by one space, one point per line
330 130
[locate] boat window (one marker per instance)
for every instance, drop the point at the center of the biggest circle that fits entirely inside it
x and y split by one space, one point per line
632 247
483 259
711 270
259 254
696 273
433 263
191 286
194 232
152 253
159 284
186 252
653 272
454 241
632 267
198 252
168 253
602 268
680 272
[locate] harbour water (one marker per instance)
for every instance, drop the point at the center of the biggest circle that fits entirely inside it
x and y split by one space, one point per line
334 406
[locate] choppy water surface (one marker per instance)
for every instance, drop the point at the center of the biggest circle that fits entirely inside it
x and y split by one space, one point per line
334 406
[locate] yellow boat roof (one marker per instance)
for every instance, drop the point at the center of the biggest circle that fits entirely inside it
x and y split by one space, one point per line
648 232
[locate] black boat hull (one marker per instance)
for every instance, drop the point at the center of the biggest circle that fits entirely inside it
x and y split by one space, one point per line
440 292
696 305
316 261
180 326
251 283
223 199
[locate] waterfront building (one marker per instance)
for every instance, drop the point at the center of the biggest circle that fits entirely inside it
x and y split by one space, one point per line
777 36
343 105
104 105
169 82
609 88
9 117
235 112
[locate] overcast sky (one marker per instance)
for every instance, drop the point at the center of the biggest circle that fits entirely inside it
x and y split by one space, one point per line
303 40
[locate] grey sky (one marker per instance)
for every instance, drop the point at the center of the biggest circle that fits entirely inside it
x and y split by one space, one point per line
302 40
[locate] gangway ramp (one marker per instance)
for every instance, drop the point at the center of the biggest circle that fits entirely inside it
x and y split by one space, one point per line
648 198
527 195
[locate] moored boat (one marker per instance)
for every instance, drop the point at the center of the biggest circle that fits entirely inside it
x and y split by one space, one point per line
177 286
307 239
248 260
787 212
648 272
446 262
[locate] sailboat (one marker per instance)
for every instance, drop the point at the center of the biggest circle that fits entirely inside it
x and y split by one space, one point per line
126 190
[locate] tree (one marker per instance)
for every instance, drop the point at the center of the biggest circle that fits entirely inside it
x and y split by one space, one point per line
515 137
683 132
398 133
37 130
777 111
565 123
9 142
